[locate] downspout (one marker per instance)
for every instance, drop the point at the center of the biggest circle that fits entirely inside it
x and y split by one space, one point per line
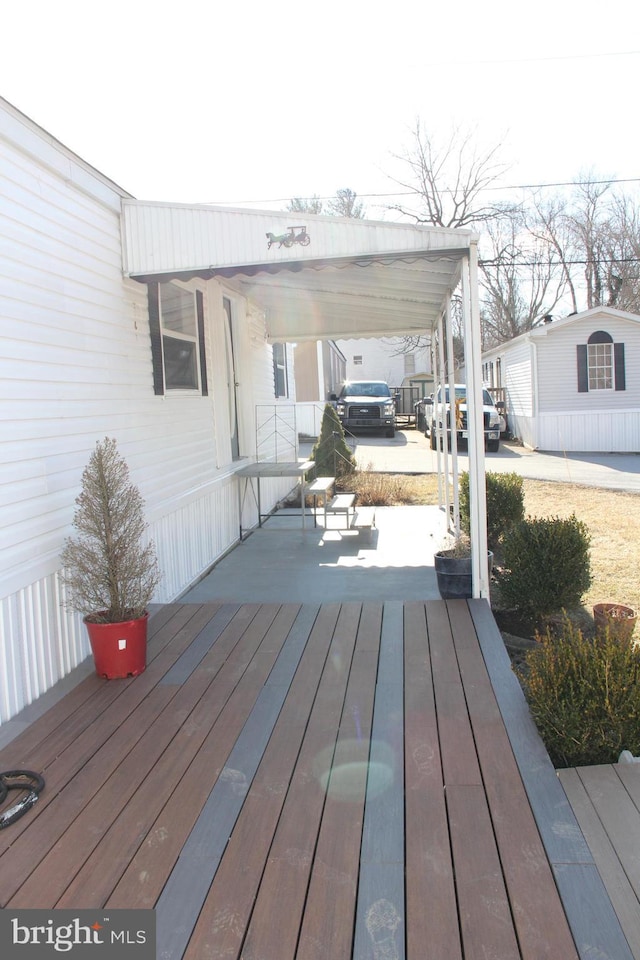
477 482
535 412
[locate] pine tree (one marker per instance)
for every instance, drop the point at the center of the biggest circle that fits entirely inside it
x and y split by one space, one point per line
331 452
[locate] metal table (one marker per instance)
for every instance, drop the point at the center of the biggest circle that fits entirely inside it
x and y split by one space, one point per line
270 468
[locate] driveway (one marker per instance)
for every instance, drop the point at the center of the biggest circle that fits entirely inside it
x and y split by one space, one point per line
409 452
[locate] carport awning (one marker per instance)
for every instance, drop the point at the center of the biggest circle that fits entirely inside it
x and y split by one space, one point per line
354 278
327 278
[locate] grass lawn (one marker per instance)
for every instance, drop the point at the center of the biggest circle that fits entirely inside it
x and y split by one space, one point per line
612 517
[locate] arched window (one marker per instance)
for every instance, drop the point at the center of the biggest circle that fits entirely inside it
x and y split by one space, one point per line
600 363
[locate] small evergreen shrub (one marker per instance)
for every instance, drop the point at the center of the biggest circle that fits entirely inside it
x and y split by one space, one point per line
110 571
505 504
331 453
547 566
584 696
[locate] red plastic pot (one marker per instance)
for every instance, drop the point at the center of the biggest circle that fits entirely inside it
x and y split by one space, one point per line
119 649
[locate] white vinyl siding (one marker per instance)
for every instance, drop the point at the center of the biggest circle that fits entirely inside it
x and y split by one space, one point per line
76 366
557 368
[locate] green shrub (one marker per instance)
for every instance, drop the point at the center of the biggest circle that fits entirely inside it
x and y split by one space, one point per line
331 453
546 565
584 696
505 504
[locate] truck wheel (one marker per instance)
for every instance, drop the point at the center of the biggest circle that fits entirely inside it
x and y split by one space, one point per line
391 433
432 438
493 446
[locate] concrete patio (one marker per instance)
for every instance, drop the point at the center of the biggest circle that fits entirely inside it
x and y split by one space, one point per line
282 562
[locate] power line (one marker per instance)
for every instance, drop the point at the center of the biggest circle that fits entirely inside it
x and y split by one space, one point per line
556 263
569 56
413 193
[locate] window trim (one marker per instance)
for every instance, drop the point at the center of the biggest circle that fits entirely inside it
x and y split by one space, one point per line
617 357
600 365
158 333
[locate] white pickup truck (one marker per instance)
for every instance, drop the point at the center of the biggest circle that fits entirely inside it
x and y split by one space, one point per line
437 415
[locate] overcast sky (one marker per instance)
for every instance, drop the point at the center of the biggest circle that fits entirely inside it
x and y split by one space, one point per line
227 102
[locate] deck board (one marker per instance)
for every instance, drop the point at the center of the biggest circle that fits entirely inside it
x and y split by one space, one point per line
292 783
431 913
587 905
606 801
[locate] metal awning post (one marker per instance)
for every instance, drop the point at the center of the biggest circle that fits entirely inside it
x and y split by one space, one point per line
452 416
477 482
441 433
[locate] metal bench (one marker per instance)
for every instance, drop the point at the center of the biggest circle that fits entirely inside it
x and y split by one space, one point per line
320 487
342 503
364 520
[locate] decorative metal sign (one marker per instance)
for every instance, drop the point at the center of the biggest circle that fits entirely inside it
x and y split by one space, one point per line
293 235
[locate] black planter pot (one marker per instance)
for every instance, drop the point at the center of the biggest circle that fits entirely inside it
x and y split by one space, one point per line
453 574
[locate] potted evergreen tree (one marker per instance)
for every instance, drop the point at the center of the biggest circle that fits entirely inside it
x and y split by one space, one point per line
109 571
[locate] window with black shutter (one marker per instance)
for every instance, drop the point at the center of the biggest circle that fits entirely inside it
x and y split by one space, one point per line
600 363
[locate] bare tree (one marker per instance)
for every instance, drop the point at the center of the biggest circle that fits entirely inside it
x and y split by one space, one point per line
346 204
588 223
593 235
450 184
547 222
519 282
448 181
305 205
621 267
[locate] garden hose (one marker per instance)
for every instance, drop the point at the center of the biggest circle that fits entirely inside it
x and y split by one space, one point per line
19 780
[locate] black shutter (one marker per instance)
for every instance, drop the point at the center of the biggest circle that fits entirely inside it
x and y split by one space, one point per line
203 358
583 371
156 338
618 362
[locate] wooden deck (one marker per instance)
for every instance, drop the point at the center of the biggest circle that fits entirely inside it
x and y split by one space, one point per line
310 782
606 800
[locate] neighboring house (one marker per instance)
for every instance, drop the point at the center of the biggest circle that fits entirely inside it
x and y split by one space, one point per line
385 359
169 327
572 384
319 369
406 370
